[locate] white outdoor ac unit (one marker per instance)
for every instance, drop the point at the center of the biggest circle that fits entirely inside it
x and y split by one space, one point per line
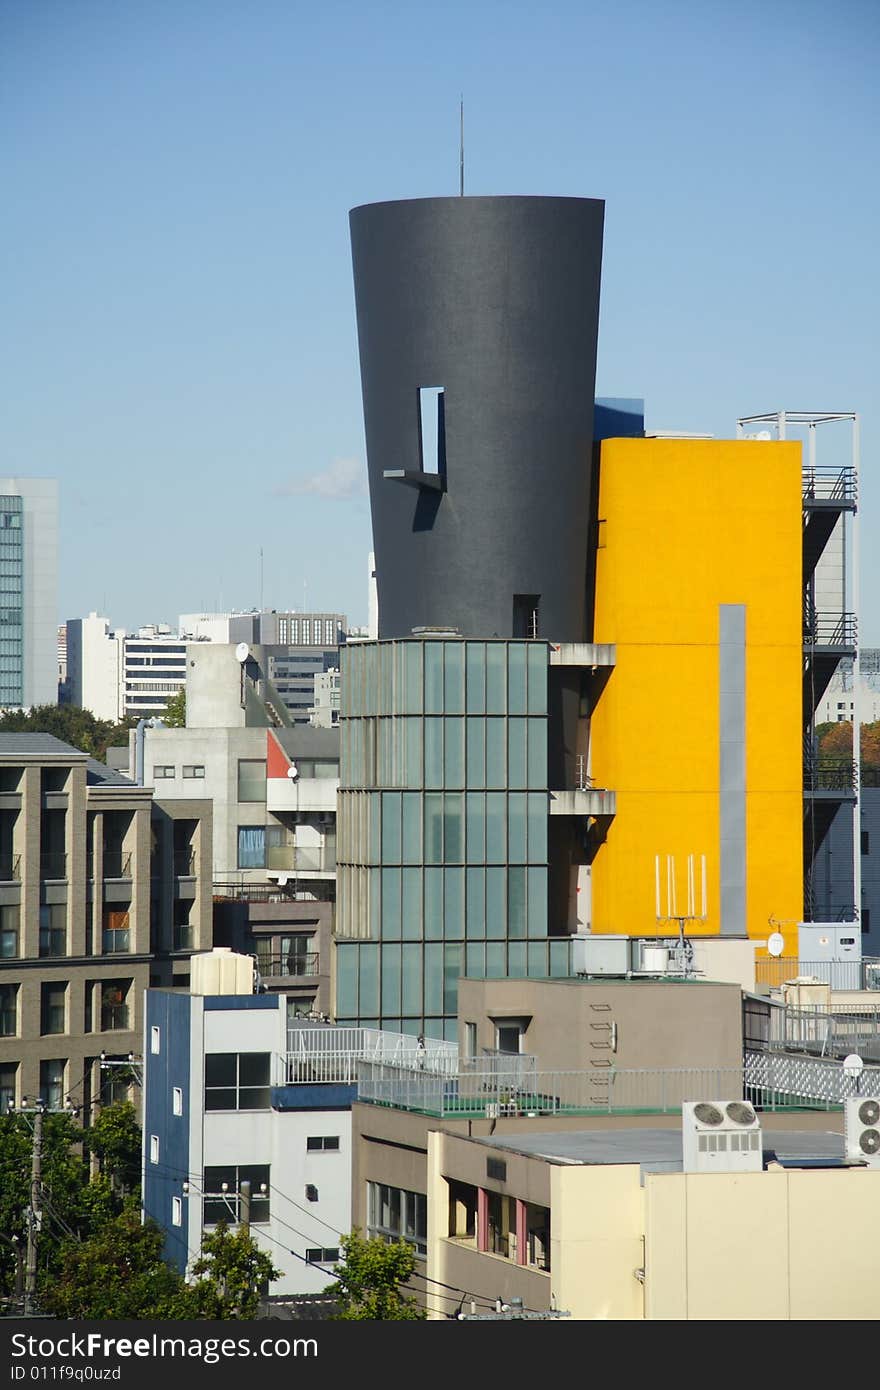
721 1136
863 1129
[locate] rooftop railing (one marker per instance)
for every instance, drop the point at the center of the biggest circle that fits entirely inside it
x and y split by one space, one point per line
829 484
333 1054
862 974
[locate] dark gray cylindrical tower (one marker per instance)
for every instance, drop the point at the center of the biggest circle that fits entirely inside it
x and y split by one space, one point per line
477 322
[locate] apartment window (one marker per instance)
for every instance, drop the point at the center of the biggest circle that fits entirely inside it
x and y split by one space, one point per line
114 1004
251 779
163 770
52 1083
155 1040
501 1224
509 1034
537 1224
176 1211
322 1255
177 1100
223 1193
470 1040
8 1011
326 1143
397 1214
154 1148
53 929
9 931
462 1211
252 847
191 770
115 936
53 1002
237 1081
8 1078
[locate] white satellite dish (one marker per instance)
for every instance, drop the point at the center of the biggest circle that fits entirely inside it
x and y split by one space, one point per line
853 1065
775 944
242 652
293 772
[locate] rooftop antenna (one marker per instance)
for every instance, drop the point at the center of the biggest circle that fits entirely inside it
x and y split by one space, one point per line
673 912
461 147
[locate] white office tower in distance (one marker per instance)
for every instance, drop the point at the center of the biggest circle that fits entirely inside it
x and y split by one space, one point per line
28 592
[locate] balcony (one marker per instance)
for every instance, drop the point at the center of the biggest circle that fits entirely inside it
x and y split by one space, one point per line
289 966
834 487
10 868
117 864
832 775
53 865
303 794
830 631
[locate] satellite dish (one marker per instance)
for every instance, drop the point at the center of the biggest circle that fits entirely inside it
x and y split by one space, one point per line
242 652
853 1065
293 772
776 944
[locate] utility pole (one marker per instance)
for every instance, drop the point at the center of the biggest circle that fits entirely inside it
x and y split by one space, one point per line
244 1223
35 1213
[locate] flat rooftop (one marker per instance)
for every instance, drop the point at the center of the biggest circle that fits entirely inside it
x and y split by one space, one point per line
660 1150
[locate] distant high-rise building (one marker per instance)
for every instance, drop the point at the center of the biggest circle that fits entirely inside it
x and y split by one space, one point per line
28 592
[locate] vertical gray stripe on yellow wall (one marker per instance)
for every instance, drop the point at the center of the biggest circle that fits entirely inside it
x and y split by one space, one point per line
732 782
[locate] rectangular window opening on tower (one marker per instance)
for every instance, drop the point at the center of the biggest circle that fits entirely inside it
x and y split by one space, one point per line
432 432
525 615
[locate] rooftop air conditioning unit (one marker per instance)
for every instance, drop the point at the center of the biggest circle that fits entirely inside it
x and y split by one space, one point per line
863 1130
721 1136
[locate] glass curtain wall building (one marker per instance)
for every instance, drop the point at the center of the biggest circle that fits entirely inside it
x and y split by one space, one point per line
443 812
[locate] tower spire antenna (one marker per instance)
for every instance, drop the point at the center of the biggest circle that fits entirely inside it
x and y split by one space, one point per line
461 146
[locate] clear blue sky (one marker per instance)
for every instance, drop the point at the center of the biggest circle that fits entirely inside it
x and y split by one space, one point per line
178 334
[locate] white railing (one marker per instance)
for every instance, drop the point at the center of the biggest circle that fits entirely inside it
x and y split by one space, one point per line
332 1054
776 1081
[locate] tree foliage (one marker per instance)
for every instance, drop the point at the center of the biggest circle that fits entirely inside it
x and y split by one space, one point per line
369 1280
72 725
117 1273
115 1138
174 714
232 1274
836 740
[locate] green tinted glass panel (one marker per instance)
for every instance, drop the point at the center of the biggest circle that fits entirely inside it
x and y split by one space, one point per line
516 902
537 902
476 827
411 904
433 828
347 980
434 752
454 678
537 663
390 979
433 908
536 735
453 757
453 842
412 665
391 827
453 960
516 752
516 828
496 903
411 808
536 959
433 677
372 878
516 678
496 678
496 829
369 981
516 959
391 904
496 753
476 752
434 979
560 963
496 960
475 959
412 979
476 677
453 904
412 774
537 804
476 902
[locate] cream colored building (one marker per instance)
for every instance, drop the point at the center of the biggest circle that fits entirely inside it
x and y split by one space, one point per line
604 1224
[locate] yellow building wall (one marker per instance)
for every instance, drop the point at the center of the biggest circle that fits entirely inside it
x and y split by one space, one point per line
776 1245
596 1241
685 526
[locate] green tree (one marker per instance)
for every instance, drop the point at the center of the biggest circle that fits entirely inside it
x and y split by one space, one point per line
116 1139
369 1280
72 725
117 1273
232 1274
174 715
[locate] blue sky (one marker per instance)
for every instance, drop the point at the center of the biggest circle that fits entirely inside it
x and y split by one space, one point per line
178 341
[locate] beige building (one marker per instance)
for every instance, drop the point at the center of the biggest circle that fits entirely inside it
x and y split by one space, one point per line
101 895
603 1224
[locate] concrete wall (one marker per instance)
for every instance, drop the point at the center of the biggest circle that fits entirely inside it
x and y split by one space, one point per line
573 1023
